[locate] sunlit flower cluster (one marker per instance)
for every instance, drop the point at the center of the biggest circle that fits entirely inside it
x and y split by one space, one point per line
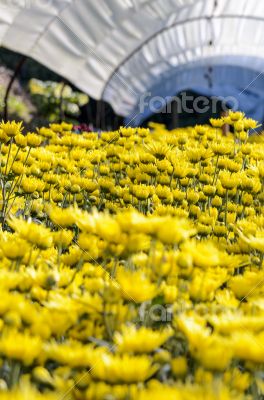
132 263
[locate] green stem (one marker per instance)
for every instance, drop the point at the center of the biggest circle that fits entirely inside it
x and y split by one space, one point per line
14 159
8 155
216 168
226 207
14 373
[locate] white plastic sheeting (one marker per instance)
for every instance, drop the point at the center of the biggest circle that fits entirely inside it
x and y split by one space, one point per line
117 50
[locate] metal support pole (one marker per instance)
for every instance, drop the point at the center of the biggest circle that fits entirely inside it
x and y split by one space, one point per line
10 84
62 116
175 116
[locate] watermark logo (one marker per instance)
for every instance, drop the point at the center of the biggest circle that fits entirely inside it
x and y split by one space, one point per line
199 104
155 312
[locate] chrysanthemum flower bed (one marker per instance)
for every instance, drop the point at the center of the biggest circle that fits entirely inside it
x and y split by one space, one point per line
132 263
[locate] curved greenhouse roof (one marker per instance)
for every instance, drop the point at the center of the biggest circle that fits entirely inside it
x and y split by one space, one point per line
117 50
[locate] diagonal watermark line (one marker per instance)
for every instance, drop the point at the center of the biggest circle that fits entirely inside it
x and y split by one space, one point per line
256 132
134 117
252 290
254 80
260 345
110 141
64 395
100 266
111 348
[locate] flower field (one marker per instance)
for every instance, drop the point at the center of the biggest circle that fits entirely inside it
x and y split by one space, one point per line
132 263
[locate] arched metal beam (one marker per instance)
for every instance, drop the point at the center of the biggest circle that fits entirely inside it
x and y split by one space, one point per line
166 29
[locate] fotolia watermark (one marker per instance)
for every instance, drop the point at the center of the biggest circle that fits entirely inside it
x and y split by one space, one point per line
26 3
186 103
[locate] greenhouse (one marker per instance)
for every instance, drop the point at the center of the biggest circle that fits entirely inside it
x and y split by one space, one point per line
131 200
